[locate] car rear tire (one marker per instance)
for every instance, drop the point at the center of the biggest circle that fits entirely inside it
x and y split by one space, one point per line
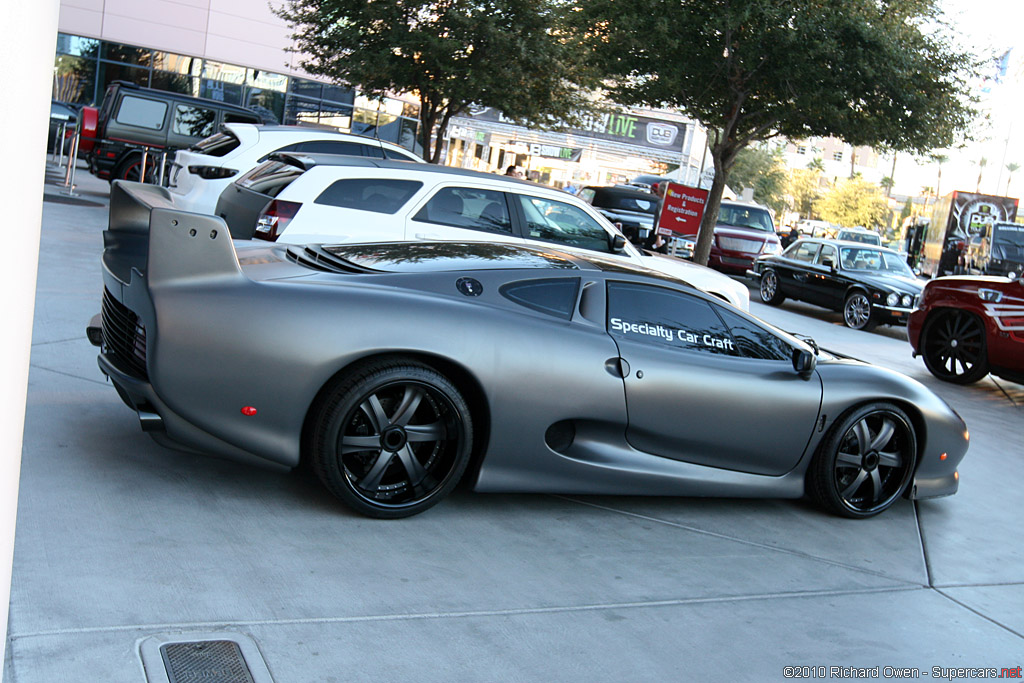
857 312
954 347
391 439
770 292
866 463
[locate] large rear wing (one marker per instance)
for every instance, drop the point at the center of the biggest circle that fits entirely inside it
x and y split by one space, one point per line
148 237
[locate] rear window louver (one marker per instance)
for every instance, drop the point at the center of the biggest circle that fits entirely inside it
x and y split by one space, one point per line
318 259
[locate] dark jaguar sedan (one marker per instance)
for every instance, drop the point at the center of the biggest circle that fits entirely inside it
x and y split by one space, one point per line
398 369
870 285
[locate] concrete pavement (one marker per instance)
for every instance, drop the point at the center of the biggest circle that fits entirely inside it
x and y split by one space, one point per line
119 540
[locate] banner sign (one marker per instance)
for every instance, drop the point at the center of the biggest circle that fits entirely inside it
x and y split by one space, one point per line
620 126
682 210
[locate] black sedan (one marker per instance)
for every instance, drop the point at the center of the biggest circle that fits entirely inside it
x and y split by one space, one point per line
870 285
398 369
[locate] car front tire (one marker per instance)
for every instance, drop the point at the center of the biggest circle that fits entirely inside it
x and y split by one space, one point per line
392 438
857 312
866 463
954 348
770 292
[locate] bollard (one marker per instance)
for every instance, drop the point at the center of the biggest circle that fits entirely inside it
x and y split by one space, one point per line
145 160
163 165
61 133
69 178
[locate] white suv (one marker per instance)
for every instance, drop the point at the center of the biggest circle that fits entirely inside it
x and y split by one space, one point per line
334 199
200 173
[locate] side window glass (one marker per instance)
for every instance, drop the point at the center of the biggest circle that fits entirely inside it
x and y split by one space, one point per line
587 195
354 149
470 208
561 223
392 154
369 194
663 317
240 118
827 252
805 252
555 297
193 121
294 147
752 340
140 112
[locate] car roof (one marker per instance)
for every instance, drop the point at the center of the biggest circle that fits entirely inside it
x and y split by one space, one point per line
848 243
310 161
622 190
128 86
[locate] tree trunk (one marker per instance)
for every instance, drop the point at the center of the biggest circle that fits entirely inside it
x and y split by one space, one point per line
706 235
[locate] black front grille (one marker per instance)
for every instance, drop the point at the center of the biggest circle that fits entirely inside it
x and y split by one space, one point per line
124 336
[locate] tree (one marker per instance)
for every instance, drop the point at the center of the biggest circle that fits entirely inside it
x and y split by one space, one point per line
763 171
1012 168
982 163
939 159
804 189
886 183
507 54
854 202
871 72
816 164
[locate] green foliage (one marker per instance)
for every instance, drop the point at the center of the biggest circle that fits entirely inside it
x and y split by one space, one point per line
908 208
854 202
765 172
508 54
804 190
870 72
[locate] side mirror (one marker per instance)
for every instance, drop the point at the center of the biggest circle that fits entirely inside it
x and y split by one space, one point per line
618 242
828 263
804 362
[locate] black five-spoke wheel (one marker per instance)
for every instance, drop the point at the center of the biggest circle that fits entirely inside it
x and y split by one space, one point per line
866 463
770 293
953 346
392 438
857 312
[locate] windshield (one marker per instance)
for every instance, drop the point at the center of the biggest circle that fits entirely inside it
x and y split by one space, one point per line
746 217
626 201
876 260
864 237
1008 234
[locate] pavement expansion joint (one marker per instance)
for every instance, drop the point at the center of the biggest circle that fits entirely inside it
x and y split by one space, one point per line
984 616
744 541
67 374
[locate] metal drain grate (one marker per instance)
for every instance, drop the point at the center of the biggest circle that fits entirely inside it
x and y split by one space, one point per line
206 657
210 661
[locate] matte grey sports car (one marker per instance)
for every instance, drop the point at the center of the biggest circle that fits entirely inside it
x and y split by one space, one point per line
399 369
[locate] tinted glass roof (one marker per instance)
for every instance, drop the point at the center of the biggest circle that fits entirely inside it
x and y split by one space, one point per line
399 257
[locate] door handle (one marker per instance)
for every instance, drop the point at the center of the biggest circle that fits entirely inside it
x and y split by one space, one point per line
617 367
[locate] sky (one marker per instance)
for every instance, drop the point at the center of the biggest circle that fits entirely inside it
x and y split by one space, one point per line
986 27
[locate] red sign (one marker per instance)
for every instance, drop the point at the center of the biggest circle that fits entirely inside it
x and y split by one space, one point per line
682 210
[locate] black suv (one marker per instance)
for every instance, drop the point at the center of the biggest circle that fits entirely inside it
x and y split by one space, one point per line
633 208
132 117
997 249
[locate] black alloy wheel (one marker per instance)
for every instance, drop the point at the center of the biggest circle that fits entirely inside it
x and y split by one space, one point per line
131 169
857 312
954 348
392 438
866 463
770 292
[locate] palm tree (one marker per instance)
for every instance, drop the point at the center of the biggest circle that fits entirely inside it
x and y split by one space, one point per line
816 164
1012 168
887 182
982 163
939 159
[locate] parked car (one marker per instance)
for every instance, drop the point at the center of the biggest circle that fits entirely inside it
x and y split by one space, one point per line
201 173
132 117
997 250
815 228
302 199
861 235
966 327
633 209
870 285
397 369
63 118
743 232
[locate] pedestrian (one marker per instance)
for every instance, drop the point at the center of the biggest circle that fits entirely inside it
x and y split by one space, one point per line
792 236
513 171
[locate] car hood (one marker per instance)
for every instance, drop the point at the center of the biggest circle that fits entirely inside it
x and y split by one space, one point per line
891 282
743 233
1013 289
632 216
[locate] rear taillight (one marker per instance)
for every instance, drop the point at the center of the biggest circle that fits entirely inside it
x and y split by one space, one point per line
274 219
212 172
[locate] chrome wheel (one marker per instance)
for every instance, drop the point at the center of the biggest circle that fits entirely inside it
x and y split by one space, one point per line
770 293
857 311
953 346
866 465
393 440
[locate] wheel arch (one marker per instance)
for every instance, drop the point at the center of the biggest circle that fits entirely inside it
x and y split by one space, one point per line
463 379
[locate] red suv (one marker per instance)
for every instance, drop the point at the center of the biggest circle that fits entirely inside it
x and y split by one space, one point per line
743 232
966 327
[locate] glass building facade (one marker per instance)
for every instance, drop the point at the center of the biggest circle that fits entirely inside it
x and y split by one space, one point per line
84 67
